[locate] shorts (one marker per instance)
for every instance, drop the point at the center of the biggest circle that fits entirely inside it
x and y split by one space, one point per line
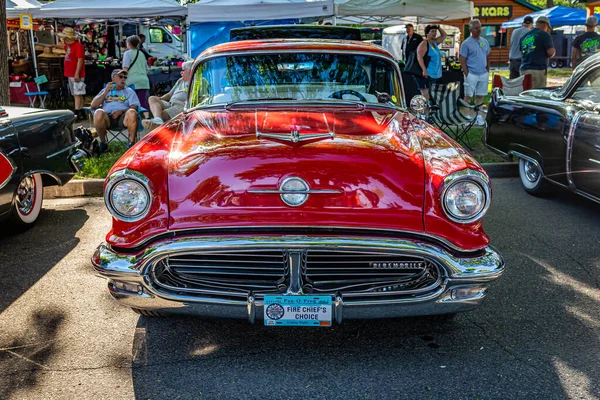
118 123
71 82
171 109
424 83
476 84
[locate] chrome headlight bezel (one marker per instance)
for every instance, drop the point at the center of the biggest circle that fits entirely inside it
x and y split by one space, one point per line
118 177
471 176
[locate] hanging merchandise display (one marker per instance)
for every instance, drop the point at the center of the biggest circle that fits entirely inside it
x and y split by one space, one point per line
94 39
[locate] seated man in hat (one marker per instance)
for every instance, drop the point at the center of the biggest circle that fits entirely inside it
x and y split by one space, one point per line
166 107
116 107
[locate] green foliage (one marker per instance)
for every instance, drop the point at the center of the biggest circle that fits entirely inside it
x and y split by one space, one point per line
98 167
564 3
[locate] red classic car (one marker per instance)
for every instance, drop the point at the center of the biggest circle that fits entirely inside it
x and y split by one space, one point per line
297 189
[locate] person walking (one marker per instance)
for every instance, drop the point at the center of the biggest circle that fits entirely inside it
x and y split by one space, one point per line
136 66
74 68
536 49
410 42
428 49
515 47
586 44
475 63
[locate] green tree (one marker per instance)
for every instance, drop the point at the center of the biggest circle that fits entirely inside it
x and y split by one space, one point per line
552 3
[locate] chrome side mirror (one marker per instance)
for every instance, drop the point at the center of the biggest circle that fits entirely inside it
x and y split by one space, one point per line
419 105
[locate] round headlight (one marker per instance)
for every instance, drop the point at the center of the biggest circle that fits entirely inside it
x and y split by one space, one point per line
465 201
127 196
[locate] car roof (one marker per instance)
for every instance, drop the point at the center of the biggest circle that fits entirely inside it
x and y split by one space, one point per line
273 45
294 32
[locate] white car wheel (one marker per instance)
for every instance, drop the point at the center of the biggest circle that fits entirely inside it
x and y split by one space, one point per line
532 178
28 200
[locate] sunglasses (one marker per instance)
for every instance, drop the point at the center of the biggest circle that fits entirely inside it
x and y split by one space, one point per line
121 76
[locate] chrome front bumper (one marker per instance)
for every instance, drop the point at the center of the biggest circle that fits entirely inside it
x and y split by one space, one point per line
464 287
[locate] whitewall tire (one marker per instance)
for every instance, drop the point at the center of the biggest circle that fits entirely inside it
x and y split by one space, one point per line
27 202
532 178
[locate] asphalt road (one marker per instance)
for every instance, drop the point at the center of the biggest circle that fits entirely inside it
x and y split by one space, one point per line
536 337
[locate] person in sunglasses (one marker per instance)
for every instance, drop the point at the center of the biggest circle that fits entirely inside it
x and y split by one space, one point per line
116 108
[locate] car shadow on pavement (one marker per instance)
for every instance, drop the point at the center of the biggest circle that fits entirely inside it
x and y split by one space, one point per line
23 261
536 336
23 358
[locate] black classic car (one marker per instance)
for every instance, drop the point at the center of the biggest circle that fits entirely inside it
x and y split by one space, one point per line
553 132
37 148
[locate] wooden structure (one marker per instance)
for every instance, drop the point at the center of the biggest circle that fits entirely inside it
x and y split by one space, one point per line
492 13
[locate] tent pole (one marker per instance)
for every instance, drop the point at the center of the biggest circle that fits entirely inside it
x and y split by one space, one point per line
33 53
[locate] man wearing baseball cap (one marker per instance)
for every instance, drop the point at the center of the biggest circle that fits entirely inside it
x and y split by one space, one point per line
74 67
536 48
116 107
586 44
515 47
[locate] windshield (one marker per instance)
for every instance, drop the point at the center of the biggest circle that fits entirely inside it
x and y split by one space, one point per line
295 76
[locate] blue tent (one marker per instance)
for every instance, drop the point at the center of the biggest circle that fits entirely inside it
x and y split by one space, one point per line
558 16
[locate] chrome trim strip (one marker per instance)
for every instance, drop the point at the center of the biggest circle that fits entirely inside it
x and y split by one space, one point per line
126 174
74 145
570 140
320 229
310 191
470 175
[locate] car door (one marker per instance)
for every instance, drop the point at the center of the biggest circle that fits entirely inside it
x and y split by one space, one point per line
584 169
9 147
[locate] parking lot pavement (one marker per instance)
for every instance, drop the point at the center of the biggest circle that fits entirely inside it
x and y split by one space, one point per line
536 337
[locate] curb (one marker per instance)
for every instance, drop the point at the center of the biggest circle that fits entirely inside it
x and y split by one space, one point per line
95 187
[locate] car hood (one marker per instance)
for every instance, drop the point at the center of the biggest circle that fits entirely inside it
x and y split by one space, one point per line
370 174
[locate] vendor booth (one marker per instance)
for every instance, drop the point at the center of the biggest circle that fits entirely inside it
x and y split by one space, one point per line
493 15
102 36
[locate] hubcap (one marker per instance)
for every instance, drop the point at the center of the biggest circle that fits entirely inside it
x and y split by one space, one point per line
26 195
532 172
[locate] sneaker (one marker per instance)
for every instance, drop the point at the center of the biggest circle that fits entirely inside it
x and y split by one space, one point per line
480 121
152 123
130 145
103 148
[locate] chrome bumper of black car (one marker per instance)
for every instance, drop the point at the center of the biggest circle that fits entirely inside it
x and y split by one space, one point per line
228 277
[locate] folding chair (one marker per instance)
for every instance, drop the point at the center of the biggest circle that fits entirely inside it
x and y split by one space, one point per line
120 133
512 87
446 114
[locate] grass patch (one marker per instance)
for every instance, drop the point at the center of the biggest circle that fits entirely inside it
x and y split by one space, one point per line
98 167
480 152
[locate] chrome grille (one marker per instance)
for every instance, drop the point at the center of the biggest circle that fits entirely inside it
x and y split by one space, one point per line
376 272
353 272
232 272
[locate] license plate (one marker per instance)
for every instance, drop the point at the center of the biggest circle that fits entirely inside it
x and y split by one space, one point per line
297 310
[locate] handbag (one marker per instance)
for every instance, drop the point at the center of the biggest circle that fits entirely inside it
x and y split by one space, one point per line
412 64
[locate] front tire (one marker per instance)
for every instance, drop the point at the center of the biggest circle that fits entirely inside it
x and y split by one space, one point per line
532 178
27 202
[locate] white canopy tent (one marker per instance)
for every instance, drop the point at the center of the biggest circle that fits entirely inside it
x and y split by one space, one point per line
14 8
257 10
75 9
345 11
392 11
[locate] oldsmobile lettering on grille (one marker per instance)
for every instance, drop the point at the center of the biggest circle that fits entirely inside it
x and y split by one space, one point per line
418 265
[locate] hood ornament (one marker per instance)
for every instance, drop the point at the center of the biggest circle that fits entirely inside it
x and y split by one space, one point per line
295 137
